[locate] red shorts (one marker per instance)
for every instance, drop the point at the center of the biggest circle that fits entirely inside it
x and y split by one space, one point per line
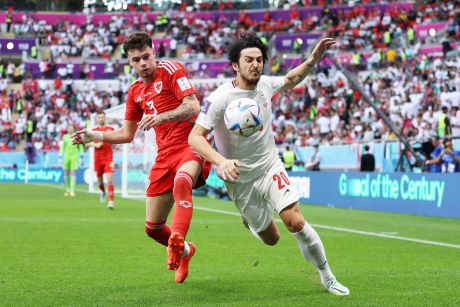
164 170
103 166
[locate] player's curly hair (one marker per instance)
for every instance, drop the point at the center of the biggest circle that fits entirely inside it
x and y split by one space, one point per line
246 40
137 41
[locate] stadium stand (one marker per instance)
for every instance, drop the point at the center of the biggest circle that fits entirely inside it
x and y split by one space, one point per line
399 60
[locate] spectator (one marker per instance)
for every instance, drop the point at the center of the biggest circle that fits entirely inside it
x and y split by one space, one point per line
289 158
367 160
449 159
315 160
435 151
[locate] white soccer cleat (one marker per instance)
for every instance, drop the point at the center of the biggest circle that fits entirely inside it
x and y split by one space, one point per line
333 286
111 205
102 198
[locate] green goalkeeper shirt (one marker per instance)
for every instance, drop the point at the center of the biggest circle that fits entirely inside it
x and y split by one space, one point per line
70 151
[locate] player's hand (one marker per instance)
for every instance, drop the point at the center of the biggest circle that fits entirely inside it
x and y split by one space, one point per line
149 121
320 49
228 170
448 151
83 136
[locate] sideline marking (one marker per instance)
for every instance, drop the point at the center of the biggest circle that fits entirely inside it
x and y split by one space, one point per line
340 229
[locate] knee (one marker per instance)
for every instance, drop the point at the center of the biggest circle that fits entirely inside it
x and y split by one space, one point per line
182 182
295 224
272 239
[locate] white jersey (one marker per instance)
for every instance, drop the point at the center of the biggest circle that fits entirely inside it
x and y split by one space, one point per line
256 153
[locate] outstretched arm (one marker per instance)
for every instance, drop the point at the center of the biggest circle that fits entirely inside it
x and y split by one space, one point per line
125 134
189 107
296 75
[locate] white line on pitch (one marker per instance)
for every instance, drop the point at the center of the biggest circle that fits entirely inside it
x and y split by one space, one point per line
340 229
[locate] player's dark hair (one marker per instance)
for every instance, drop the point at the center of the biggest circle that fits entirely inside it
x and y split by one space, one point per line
100 112
137 41
246 40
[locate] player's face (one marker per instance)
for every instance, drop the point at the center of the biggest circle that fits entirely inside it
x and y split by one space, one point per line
70 129
143 62
250 65
100 119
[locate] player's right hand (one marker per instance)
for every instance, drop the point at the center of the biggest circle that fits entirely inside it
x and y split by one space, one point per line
228 170
83 136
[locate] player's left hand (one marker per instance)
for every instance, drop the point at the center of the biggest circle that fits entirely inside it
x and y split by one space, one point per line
321 48
149 121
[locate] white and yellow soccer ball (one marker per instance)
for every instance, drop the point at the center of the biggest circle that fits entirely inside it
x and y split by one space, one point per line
242 117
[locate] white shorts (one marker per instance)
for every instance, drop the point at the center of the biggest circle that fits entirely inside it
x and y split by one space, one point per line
257 199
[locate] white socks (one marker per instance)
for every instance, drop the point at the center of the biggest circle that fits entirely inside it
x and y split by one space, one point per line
313 250
186 249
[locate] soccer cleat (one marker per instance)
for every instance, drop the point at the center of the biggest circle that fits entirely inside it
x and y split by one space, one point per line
182 271
110 205
102 198
333 286
176 246
72 194
67 193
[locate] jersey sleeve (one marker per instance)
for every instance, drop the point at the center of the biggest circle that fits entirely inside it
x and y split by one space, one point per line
274 84
180 85
211 112
133 110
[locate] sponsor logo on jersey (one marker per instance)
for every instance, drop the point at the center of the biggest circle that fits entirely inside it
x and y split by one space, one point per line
184 84
185 204
158 87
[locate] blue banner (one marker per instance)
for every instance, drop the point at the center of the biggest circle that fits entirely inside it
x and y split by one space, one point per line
420 194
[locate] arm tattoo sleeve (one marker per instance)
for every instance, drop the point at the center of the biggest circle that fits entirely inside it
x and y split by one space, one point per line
183 112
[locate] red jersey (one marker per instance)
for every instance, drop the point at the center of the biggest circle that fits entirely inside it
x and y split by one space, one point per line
105 152
163 94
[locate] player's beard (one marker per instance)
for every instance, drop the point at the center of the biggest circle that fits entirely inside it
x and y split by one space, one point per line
251 81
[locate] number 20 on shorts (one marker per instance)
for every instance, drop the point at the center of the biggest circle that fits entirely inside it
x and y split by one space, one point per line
282 180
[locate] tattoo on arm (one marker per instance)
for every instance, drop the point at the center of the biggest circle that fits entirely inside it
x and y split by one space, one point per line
183 112
295 78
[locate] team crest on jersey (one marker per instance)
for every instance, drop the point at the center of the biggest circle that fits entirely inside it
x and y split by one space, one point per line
158 87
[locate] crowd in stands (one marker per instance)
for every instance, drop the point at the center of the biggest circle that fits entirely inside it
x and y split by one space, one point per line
354 30
326 110
417 92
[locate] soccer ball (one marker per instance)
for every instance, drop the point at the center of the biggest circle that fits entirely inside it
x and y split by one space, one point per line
242 117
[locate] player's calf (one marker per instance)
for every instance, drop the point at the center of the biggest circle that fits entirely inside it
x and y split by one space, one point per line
159 231
182 193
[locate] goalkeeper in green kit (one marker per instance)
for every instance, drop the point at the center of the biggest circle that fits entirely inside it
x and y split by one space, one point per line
71 158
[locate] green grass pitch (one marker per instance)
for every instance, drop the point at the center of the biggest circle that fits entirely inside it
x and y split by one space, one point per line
57 251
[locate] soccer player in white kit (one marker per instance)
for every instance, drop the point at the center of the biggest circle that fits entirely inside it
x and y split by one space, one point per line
254 175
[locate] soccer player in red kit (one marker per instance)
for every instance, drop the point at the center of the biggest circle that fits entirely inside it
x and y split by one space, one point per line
103 161
166 98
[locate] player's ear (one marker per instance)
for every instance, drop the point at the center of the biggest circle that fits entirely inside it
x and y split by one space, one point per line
236 67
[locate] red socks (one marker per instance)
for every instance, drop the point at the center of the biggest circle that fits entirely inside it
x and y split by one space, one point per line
159 231
111 192
182 192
